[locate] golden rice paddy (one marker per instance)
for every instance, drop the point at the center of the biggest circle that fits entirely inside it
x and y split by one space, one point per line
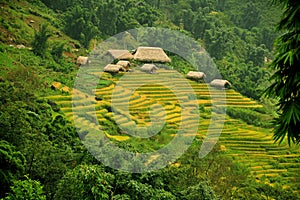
248 145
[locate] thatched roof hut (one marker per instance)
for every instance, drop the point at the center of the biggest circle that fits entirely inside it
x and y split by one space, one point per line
149 68
20 46
120 54
220 83
194 75
65 89
124 63
113 68
56 85
151 54
82 60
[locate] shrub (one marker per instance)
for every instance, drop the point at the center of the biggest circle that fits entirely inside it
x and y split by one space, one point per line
104 83
39 44
57 51
27 189
249 116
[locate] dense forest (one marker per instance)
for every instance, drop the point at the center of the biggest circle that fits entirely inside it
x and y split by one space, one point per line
42 156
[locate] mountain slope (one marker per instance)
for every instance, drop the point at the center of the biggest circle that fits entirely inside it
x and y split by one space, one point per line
248 145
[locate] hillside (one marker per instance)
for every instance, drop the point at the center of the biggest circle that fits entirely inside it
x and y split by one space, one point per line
248 145
51 128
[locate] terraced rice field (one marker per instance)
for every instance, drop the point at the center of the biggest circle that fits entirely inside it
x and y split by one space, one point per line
138 101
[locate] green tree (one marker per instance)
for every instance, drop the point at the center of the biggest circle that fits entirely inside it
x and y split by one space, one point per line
12 164
57 51
85 182
40 41
286 78
44 137
26 190
250 17
62 5
108 12
201 23
200 191
79 23
136 189
145 14
187 19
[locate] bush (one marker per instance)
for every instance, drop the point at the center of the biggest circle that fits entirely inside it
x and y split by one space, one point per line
104 83
40 42
249 116
27 189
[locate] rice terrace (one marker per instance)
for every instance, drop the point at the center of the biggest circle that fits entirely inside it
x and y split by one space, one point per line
250 145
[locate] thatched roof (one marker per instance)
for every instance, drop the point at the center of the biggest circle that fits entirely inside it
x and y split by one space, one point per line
20 46
113 68
220 83
56 85
194 75
124 63
120 54
150 68
151 54
82 60
65 89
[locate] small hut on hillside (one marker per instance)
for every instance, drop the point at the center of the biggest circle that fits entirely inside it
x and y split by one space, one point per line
151 54
194 75
82 60
20 46
65 89
149 68
120 54
125 64
220 83
56 85
113 68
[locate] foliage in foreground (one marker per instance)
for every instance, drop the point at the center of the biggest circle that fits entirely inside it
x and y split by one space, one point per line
286 78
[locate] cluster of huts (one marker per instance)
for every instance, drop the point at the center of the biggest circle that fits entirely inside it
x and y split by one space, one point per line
198 76
148 56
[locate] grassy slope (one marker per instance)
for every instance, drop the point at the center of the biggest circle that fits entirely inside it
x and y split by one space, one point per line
18 22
